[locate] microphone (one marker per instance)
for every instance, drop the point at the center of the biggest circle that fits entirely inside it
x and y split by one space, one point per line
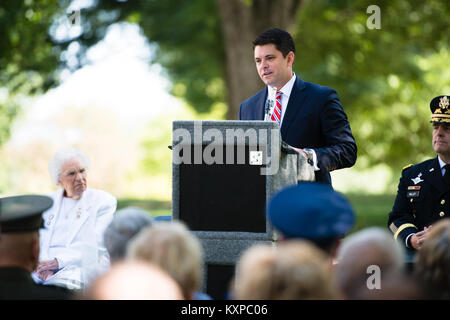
267 109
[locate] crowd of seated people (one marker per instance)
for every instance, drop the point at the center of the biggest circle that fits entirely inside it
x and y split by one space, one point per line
73 244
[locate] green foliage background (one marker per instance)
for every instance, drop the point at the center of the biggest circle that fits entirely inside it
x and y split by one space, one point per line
28 58
385 78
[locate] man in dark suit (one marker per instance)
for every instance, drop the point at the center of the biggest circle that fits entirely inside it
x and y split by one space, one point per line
20 220
311 117
423 195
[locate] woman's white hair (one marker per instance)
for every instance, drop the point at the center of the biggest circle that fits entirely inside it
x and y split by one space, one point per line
61 157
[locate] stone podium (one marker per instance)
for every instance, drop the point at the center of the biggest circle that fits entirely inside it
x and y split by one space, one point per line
223 176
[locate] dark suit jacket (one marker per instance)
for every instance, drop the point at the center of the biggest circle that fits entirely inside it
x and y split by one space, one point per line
421 202
17 284
314 119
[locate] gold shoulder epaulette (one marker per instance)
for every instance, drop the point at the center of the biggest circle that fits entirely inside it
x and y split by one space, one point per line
408 166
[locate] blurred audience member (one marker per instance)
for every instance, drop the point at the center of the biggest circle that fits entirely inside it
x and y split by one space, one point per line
20 220
312 211
127 223
134 280
432 268
371 266
176 250
72 249
296 269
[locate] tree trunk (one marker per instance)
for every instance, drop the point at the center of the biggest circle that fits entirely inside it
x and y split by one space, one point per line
241 23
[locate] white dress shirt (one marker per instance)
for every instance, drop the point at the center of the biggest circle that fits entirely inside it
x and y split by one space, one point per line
441 164
285 94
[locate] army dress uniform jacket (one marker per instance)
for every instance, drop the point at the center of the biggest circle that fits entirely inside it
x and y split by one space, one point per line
422 199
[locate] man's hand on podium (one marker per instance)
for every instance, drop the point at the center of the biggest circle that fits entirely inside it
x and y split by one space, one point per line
301 151
308 155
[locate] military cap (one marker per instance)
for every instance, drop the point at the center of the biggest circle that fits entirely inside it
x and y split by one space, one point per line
23 213
312 211
440 109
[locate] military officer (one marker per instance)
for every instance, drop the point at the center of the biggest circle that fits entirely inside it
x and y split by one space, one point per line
20 220
423 195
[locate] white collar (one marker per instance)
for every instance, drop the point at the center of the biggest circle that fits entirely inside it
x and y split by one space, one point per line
441 163
286 90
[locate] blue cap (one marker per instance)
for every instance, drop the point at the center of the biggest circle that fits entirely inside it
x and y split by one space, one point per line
167 218
311 211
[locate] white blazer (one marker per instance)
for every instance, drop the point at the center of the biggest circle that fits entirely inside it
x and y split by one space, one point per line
86 256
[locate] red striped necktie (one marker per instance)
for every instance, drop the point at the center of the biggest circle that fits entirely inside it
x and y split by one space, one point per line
276 114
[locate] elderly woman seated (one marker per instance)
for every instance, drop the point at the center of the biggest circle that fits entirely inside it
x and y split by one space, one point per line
72 249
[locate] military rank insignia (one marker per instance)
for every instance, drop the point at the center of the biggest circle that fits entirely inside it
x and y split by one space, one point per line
443 103
413 192
417 179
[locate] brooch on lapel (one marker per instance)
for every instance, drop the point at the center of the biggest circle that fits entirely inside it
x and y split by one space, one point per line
417 179
50 218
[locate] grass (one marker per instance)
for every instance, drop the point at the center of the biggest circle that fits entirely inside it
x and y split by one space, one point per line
371 210
155 207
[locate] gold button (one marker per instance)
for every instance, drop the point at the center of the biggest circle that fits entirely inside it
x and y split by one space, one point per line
411 200
442 201
442 214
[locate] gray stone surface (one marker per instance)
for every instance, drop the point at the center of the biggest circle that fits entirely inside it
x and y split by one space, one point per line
226 247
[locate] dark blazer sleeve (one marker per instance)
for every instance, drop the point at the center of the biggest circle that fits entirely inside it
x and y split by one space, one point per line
340 146
401 221
314 119
253 107
240 113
